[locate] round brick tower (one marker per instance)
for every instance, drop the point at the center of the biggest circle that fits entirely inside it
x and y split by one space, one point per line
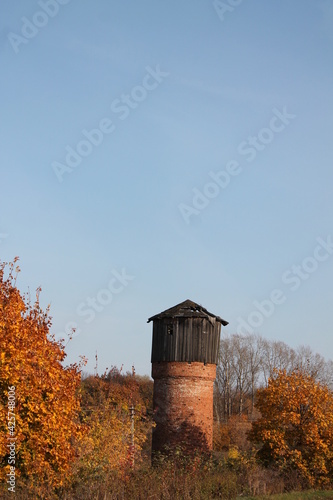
186 340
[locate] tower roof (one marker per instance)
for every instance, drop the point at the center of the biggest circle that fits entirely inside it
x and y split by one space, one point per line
187 309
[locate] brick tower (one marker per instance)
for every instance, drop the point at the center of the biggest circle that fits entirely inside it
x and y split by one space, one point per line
186 340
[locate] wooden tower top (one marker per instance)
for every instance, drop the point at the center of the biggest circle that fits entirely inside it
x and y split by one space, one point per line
187 309
186 332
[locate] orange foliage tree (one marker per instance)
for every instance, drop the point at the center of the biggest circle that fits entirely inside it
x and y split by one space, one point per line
295 429
46 393
114 408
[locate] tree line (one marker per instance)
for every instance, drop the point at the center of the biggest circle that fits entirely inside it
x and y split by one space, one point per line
247 362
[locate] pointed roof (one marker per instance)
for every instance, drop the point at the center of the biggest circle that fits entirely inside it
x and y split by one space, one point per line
187 309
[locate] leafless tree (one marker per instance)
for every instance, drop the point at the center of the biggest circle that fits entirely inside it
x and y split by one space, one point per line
225 377
247 362
241 367
255 345
276 356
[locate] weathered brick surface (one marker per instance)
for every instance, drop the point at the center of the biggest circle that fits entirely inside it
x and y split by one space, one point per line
183 404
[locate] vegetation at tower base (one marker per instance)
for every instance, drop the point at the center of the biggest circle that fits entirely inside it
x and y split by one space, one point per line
106 410
296 426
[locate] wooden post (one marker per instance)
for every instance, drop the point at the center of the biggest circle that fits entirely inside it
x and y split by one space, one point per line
132 413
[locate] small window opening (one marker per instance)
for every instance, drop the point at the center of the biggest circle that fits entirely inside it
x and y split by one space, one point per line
170 329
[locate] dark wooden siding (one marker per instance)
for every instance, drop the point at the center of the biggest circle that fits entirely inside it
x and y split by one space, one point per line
192 339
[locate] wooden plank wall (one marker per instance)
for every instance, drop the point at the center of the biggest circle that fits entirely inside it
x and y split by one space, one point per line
192 339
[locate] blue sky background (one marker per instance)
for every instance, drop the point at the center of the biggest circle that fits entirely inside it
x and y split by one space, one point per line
119 209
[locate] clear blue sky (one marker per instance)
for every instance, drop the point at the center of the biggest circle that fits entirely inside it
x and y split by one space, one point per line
182 93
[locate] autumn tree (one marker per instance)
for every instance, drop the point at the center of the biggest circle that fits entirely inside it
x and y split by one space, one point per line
246 362
116 409
46 393
295 430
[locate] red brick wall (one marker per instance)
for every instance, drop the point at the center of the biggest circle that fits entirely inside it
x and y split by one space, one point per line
183 405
